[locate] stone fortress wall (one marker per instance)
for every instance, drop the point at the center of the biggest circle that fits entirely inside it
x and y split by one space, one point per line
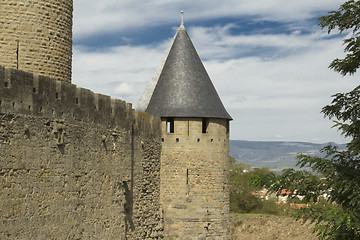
75 164
194 178
80 165
36 36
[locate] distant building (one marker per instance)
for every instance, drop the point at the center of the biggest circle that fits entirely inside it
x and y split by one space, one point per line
283 196
263 194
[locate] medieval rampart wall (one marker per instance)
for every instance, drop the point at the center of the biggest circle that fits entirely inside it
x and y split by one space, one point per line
75 164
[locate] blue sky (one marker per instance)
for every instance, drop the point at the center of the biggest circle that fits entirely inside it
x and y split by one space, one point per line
267 58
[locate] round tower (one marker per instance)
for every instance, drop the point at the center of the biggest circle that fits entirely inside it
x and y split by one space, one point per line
194 178
36 37
195 145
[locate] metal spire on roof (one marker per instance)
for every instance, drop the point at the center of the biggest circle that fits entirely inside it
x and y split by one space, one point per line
182 18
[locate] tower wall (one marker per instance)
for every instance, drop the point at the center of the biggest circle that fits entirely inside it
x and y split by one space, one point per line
194 179
36 36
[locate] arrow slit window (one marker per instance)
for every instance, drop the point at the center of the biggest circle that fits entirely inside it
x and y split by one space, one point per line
205 124
170 125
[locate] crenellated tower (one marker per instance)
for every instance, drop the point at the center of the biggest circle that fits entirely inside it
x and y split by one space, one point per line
195 144
36 36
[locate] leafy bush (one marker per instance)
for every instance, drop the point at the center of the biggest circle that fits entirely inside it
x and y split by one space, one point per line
244 181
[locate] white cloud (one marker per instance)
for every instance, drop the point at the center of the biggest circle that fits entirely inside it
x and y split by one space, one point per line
273 84
125 89
218 42
105 70
286 73
97 17
281 96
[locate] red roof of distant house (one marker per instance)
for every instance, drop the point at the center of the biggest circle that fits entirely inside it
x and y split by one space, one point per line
285 192
262 192
298 205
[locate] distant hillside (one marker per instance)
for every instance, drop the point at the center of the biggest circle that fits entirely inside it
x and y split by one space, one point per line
273 155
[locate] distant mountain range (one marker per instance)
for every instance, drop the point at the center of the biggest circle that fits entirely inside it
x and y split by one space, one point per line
274 155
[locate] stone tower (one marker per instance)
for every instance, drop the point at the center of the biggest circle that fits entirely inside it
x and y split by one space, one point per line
195 144
36 36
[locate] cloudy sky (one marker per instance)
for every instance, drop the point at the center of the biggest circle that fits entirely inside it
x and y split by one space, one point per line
268 59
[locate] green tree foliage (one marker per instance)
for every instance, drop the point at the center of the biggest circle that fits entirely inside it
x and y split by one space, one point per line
244 181
261 177
338 217
340 170
302 183
241 198
344 19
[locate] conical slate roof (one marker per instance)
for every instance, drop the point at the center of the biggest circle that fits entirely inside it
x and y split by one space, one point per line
181 87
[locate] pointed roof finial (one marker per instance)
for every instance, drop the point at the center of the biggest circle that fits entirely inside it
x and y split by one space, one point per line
182 18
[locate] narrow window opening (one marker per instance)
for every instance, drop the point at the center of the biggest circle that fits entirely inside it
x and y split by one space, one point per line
198 140
57 95
29 108
188 128
13 104
187 183
77 100
40 109
170 125
6 84
34 90
177 140
205 123
212 140
162 140
227 127
0 102
17 53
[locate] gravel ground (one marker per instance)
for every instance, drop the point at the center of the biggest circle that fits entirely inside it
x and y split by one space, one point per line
258 227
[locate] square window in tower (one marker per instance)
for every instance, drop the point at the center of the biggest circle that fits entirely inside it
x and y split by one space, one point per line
170 125
205 124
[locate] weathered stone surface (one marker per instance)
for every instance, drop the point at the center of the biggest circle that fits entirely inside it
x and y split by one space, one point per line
84 167
36 36
194 179
80 165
